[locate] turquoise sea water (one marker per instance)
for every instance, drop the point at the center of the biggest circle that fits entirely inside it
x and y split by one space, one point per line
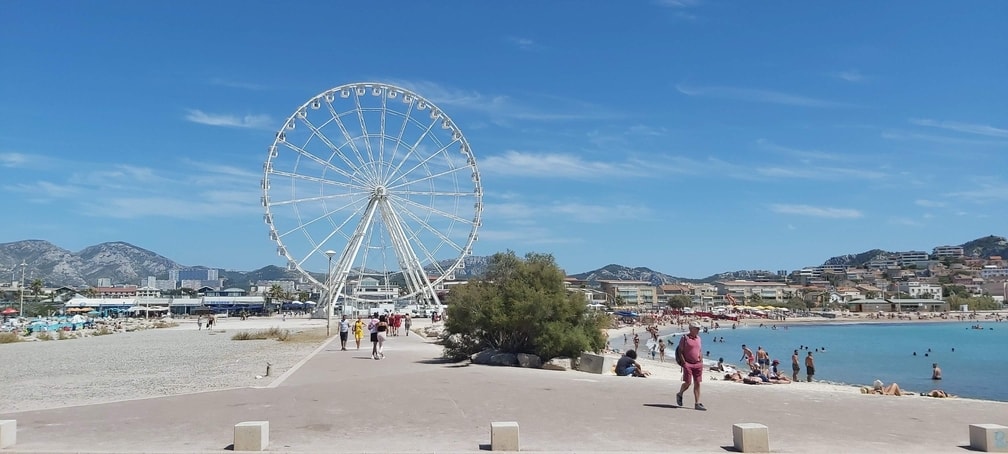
857 354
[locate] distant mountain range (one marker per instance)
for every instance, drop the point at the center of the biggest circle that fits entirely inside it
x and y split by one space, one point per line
125 263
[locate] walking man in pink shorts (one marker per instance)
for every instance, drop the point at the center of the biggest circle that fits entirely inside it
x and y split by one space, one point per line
689 355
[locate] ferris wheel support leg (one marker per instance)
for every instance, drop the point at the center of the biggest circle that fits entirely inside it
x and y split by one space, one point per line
416 277
342 270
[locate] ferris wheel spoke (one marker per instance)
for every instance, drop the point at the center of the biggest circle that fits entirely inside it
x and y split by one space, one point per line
328 143
310 199
428 177
435 193
316 159
412 149
363 127
326 215
399 139
434 231
424 162
298 176
362 163
433 210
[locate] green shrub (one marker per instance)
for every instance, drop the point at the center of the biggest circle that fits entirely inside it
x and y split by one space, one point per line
520 306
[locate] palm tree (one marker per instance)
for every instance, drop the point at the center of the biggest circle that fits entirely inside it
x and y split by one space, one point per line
276 292
36 288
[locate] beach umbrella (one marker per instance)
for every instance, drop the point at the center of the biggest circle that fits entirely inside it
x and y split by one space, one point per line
8 311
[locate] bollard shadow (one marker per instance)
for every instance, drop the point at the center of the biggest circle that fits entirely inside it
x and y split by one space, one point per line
485 447
662 405
229 447
730 449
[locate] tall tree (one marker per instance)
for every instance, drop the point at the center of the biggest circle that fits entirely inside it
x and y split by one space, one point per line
36 288
521 306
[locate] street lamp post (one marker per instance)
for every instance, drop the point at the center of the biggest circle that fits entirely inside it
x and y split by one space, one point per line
23 266
328 291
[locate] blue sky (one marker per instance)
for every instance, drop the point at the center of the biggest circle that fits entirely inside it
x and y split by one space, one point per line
691 137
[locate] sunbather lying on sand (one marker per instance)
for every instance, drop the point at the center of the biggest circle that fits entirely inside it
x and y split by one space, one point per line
879 388
937 393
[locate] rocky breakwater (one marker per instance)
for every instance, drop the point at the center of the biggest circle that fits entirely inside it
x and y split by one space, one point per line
493 357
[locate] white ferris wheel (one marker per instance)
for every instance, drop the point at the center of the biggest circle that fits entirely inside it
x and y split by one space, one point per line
383 175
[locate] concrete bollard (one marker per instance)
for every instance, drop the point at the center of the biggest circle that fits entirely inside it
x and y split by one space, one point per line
988 437
251 436
8 433
595 364
504 436
751 437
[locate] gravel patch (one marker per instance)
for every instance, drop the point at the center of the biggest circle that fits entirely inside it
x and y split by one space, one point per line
141 364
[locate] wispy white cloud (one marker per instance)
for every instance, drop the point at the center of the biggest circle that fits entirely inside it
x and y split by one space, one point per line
820 173
819 212
236 84
677 3
756 95
904 221
13 159
557 165
929 203
851 75
522 43
804 155
503 108
912 136
987 191
233 121
968 128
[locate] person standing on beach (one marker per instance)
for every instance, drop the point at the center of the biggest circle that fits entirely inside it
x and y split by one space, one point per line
636 341
344 332
809 367
935 372
690 358
661 350
748 357
795 366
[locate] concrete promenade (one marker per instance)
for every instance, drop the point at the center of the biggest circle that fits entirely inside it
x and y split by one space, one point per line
342 402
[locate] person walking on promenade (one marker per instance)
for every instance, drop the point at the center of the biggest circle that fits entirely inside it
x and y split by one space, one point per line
795 366
383 329
407 322
358 330
344 332
690 358
935 372
373 330
809 367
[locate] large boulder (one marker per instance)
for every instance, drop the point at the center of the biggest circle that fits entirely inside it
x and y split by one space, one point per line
483 357
504 359
527 360
558 364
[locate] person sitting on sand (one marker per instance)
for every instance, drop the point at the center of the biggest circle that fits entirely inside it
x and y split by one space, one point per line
627 365
719 367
